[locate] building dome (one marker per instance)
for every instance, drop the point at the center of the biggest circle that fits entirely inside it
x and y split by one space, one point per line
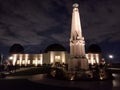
55 47
16 48
94 49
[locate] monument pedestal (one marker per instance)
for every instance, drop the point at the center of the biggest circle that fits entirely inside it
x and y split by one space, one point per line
78 63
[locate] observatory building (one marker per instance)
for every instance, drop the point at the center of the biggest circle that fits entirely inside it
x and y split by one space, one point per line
56 54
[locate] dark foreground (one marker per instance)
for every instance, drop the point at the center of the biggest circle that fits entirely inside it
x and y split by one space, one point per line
24 84
47 84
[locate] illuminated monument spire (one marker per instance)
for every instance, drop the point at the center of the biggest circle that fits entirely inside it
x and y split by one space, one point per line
77 43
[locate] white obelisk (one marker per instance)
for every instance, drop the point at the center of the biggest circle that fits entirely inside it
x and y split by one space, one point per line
77 43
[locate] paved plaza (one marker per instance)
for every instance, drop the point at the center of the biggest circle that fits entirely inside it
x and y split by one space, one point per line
40 81
87 85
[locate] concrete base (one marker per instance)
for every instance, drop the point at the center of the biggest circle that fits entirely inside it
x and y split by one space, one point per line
78 63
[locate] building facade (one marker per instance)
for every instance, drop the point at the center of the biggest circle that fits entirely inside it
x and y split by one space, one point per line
51 57
53 54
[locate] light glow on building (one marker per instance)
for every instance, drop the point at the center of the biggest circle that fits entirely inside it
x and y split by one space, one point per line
14 59
26 59
20 59
93 58
63 57
51 57
55 56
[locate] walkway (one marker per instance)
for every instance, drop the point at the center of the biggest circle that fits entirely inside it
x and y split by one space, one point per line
89 85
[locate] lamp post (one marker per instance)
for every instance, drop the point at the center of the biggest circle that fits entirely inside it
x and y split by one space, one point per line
10 57
11 60
110 57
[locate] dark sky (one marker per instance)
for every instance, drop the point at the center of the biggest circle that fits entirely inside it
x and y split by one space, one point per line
35 24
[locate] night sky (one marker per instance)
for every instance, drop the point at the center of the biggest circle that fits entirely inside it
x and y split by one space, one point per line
35 24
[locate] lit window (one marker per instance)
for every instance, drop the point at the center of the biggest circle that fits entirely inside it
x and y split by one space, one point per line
39 61
57 57
18 62
23 62
33 61
28 61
